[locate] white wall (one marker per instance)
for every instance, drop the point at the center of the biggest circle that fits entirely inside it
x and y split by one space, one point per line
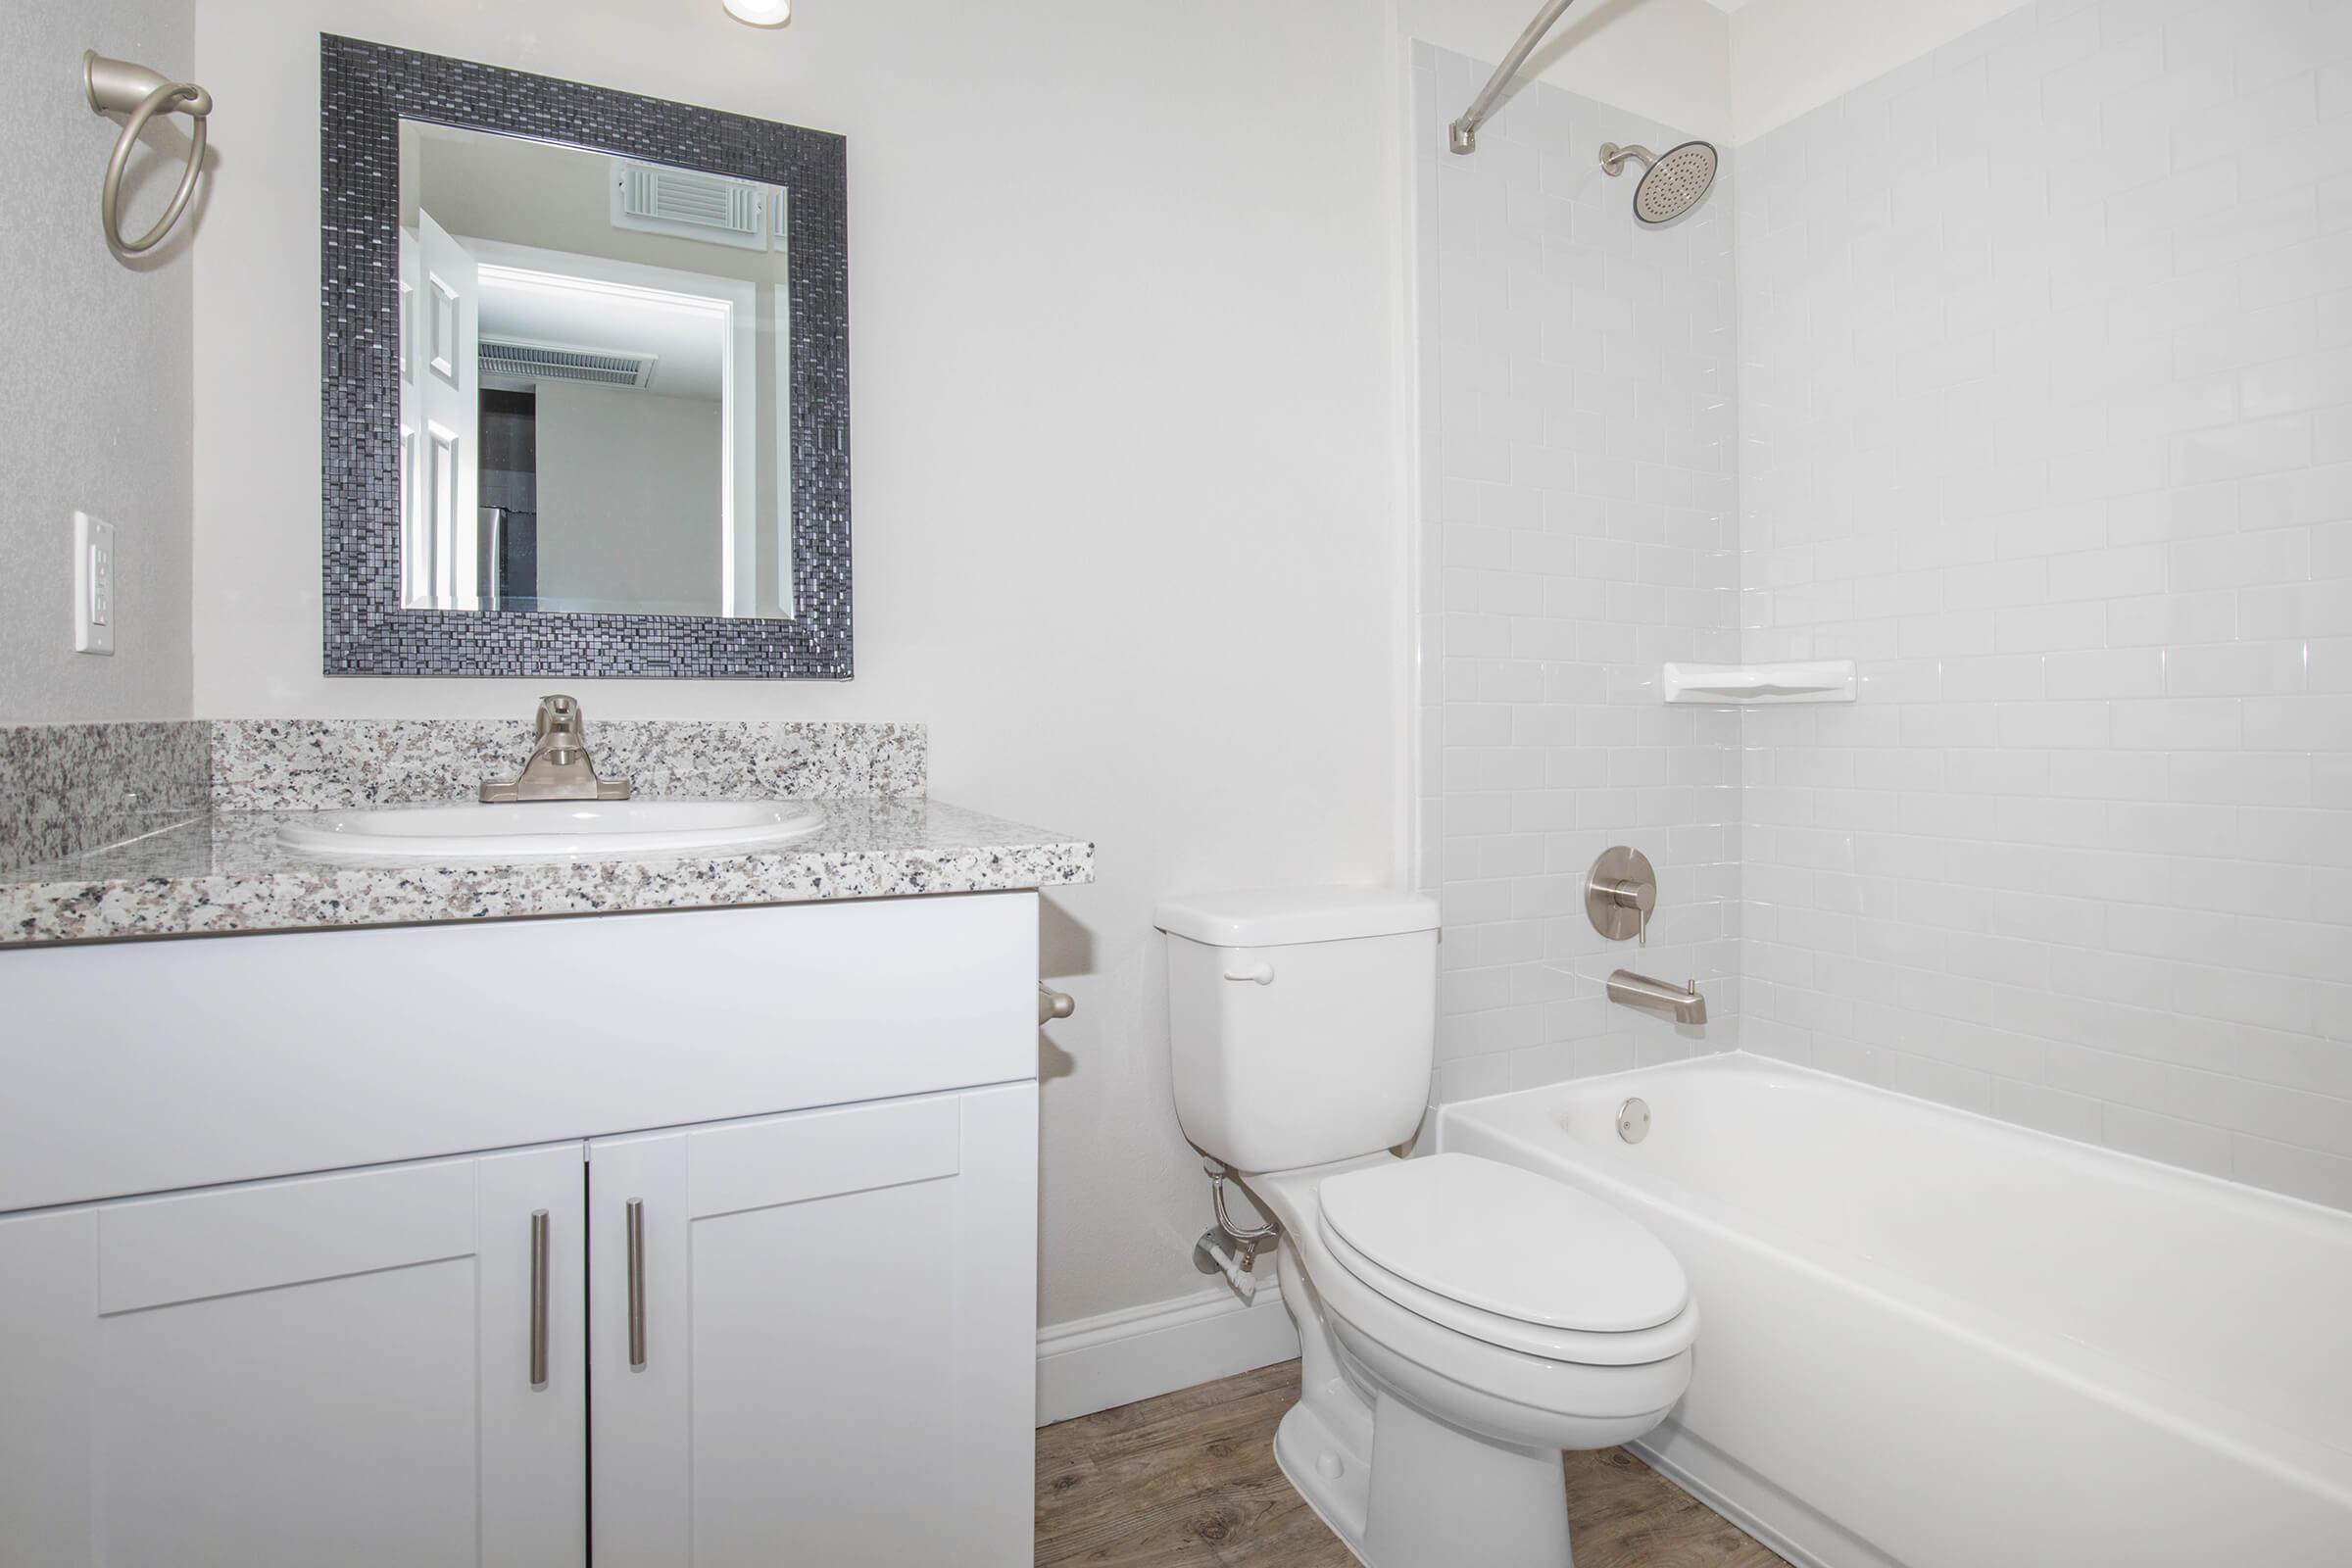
1667 59
1579 512
95 404
1728 78
2060 449
1788 56
629 497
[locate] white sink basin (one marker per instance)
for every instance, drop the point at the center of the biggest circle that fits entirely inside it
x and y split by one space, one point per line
549 830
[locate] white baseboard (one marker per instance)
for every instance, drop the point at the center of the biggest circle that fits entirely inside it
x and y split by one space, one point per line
1138 1352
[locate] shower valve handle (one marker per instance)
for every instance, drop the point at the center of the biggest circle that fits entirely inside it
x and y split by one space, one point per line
1620 894
1639 897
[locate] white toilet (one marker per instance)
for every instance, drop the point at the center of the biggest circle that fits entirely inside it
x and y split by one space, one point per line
1461 1321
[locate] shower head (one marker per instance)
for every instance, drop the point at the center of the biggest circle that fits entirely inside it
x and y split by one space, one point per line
1672 182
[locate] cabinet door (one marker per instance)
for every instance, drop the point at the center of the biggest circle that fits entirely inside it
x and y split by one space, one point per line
328 1369
828 1356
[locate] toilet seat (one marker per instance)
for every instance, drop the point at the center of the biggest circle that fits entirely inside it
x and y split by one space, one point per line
1508 1257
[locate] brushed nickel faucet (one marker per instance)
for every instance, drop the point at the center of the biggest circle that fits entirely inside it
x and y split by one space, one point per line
558 768
1683 1001
1621 893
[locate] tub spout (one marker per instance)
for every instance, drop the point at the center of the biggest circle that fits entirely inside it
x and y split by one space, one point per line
1683 1003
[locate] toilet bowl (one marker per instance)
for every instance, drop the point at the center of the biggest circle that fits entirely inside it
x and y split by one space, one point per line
1460 1322
1434 1407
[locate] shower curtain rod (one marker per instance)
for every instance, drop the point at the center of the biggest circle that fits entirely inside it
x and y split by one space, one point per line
1462 135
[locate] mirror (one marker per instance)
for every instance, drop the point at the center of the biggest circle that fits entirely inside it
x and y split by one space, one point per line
590 371
586 390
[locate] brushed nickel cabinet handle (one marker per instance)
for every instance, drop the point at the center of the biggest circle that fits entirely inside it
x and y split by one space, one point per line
539 1245
636 1213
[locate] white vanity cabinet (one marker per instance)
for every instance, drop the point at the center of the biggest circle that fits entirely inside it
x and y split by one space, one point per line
328 1369
792 1322
819 1321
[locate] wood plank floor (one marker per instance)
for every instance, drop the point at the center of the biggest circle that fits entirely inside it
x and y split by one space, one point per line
1189 1481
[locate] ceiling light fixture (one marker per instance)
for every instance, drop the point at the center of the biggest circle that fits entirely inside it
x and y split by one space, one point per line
760 13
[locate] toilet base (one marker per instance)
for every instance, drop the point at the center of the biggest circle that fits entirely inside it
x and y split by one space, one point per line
1448 1499
1335 1480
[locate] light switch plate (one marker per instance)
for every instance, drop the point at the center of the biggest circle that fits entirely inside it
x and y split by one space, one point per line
95 610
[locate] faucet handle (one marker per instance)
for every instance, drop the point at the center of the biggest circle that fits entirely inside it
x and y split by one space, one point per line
1621 893
557 712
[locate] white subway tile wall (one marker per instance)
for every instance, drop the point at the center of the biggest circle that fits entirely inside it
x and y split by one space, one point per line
1579 501
2045 396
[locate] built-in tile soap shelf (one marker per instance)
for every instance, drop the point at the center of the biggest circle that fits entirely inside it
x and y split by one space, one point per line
1827 680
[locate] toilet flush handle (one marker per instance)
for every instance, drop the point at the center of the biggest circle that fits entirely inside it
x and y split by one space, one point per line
1255 970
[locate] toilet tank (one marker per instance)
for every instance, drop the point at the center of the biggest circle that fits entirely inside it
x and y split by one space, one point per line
1301 1023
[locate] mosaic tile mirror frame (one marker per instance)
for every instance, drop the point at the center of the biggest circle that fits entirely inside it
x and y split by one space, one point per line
365 91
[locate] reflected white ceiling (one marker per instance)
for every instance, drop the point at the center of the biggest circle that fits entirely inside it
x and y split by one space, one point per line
690 345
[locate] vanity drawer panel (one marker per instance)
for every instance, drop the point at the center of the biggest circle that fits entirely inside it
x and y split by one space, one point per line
144 1067
855 1149
158 1251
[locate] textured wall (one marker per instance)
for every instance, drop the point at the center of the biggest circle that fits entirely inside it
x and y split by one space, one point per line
1578 501
95 404
2046 415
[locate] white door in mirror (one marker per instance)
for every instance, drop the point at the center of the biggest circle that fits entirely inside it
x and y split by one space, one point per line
551 830
444 551
93 585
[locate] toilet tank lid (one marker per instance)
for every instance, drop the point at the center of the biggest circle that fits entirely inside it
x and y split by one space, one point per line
1265 917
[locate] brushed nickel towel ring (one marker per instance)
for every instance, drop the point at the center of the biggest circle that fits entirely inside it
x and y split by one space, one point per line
122 87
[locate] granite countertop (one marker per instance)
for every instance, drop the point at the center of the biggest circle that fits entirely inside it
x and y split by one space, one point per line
226 872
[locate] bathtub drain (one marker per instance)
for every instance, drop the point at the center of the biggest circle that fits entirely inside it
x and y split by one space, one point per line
1633 1120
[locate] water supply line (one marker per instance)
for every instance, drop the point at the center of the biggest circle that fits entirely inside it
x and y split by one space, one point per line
1228 1248
1462 134
1211 1255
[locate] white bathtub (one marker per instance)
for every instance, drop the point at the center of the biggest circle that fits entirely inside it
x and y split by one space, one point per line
1934 1339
